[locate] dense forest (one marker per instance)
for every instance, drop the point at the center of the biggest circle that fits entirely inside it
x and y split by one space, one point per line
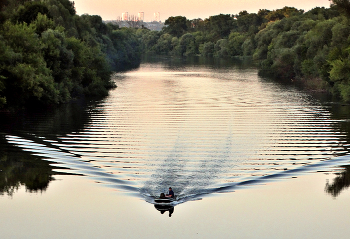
49 54
310 48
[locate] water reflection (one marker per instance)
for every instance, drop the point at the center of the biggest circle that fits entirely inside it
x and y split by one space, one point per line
184 63
22 169
340 183
341 114
164 208
48 122
201 129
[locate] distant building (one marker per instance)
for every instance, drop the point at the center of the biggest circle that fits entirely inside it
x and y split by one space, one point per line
141 16
133 21
157 16
125 16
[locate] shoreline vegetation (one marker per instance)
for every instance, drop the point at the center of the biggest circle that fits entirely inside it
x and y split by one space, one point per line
50 55
309 49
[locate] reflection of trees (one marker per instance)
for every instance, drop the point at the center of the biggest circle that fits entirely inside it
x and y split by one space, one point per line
54 121
341 182
341 113
20 168
178 63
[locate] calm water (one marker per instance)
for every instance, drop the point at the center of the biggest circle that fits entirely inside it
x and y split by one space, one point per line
200 127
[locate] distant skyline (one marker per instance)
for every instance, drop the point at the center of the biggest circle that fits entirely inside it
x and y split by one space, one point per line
111 9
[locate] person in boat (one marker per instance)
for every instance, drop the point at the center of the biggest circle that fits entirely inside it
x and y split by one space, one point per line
170 194
162 196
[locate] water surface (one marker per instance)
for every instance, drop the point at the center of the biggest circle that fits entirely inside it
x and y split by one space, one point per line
200 128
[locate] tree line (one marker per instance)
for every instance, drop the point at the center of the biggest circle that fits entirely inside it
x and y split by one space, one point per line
49 54
310 47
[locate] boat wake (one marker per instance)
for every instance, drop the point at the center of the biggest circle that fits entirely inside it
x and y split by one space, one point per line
187 185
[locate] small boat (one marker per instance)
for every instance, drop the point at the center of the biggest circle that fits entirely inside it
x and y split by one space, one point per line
164 200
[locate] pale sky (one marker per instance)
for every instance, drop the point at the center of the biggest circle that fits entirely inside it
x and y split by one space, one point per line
191 9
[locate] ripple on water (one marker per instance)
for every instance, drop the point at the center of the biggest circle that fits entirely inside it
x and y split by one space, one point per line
199 132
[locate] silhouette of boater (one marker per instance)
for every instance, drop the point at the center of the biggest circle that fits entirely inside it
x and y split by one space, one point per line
170 194
162 196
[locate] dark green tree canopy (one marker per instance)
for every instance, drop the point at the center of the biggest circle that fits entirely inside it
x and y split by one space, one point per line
69 5
282 13
49 55
176 26
30 12
221 24
343 6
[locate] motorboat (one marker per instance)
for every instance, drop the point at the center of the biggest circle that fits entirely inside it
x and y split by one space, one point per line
164 200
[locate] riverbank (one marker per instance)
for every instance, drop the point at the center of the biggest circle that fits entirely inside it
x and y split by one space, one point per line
49 55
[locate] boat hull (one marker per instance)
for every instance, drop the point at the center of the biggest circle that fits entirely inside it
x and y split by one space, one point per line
163 200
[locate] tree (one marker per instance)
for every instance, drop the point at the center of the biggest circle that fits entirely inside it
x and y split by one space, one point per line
221 25
343 6
187 45
235 42
249 22
198 24
164 44
220 48
176 26
282 13
30 12
206 49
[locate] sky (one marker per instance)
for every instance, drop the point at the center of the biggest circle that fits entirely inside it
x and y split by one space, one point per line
191 9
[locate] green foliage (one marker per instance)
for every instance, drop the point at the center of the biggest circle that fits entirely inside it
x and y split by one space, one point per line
290 44
27 77
339 75
263 40
248 46
340 70
221 25
221 48
89 68
206 49
176 26
340 34
343 6
319 36
30 11
235 44
187 45
282 13
308 68
286 39
319 13
163 45
249 22
49 55
127 48
42 23
149 39
283 63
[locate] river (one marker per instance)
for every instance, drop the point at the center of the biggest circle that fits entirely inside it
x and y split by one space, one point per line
246 157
